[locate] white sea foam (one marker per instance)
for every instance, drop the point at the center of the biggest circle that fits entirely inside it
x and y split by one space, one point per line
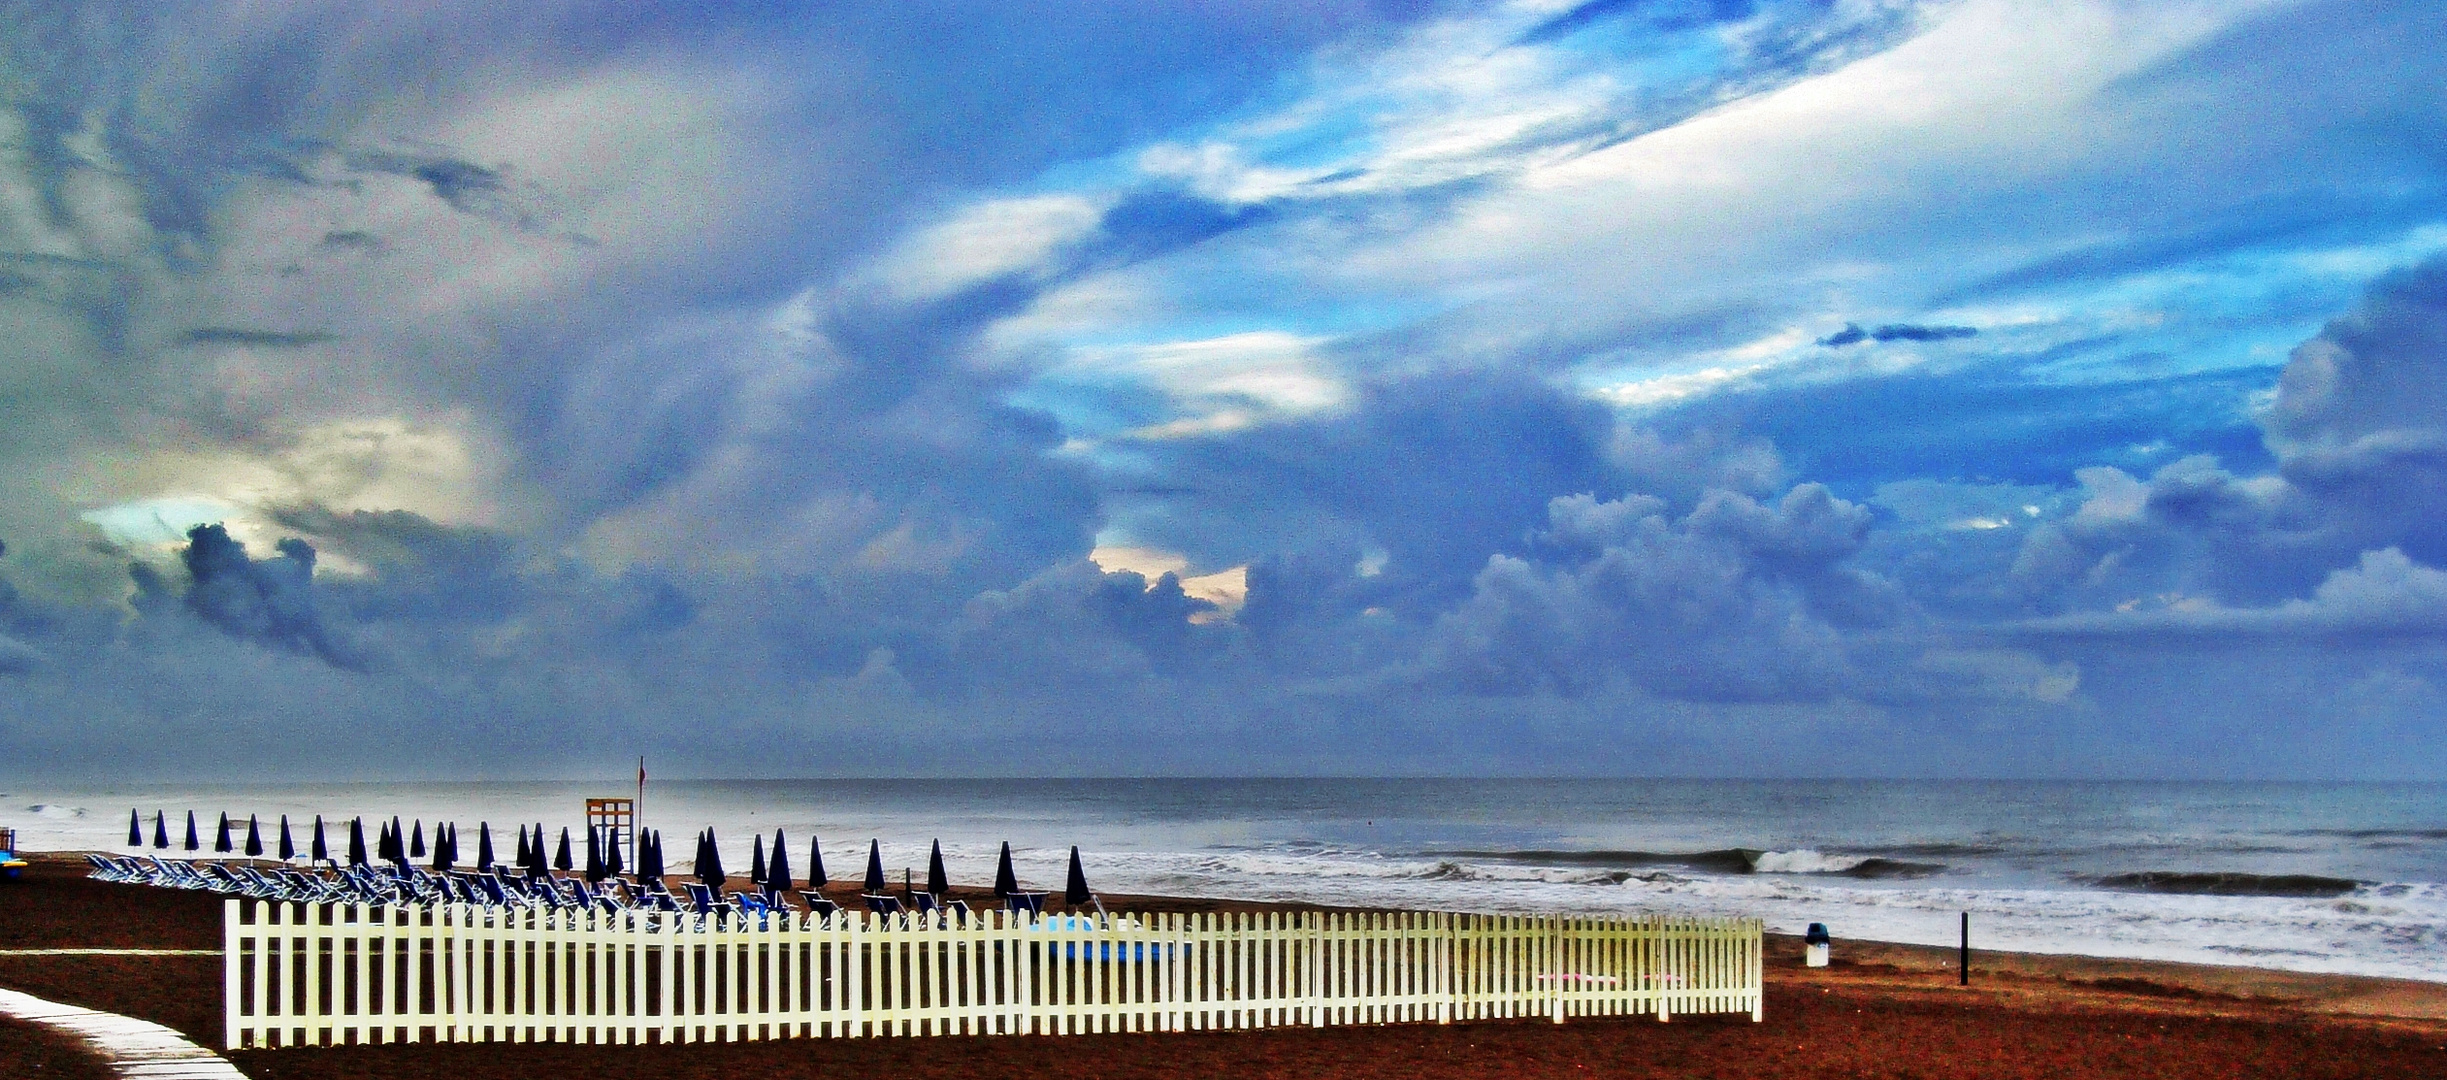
1804 861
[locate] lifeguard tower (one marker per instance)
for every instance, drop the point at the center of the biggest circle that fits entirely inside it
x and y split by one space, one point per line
617 818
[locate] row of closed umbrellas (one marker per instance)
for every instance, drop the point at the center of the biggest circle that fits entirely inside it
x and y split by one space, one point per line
393 844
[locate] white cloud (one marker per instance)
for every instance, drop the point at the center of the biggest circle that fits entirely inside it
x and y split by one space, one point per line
987 240
1805 193
1225 383
1227 589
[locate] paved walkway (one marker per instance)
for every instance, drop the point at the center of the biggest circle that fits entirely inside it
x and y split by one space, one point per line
135 1048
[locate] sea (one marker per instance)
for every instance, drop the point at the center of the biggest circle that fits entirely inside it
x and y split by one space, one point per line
2320 877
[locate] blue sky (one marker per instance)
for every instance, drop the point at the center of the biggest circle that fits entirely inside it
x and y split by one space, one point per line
1725 388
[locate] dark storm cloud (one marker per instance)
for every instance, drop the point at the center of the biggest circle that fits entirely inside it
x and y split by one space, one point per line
1736 601
269 601
1852 334
264 339
1079 626
1435 471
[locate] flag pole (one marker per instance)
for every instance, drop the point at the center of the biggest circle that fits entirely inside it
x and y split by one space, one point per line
637 811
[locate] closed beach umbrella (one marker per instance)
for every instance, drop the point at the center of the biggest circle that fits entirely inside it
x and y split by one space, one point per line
445 847
650 856
561 859
161 830
288 844
322 850
520 859
484 846
777 872
815 864
709 864
254 838
1005 882
611 856
597 866
875 884
192 843
135 828
382 842
399 842
356 841
538 864
1076 891
937 882
220 835
416 840
756 861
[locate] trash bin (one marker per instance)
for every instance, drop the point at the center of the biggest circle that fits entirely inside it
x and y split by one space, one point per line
1814 945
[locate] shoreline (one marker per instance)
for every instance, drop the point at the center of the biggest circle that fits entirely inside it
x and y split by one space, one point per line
1879 1009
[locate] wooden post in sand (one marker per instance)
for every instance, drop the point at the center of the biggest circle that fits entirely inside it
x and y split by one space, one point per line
1966 951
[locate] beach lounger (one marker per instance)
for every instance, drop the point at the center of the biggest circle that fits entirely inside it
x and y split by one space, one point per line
706 903
817 905
106 868
930 904
883 905
1025 903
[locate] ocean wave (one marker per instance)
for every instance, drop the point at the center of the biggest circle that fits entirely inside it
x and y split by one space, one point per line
56 811
2224 883
1725 861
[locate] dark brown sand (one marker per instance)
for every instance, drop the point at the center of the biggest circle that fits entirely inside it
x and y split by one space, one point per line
1883 1011
32 1050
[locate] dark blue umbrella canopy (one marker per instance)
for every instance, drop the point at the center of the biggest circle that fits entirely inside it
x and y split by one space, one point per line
445 847
322 850
876 884
254 838
611 856
537 864
356 842
937 882
561 859
399 841
520 858
1005 881
220 836
484 846
416 840
288 845
756 860
815 864
135 828
709 860
161 830
192 843
1076 891
595 867
777 871
650 855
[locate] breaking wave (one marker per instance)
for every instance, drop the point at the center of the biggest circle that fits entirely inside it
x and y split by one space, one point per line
2226 884
1722 861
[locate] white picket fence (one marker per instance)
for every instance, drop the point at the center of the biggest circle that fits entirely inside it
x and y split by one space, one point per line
320 974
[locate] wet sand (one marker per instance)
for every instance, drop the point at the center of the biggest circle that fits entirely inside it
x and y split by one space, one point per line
1880 1011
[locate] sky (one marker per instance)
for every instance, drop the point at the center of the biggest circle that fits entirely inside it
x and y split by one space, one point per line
1725 388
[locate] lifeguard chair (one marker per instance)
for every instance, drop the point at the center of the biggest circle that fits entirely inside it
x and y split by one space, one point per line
617 818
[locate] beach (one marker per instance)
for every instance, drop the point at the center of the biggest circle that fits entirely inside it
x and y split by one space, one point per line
1880 1010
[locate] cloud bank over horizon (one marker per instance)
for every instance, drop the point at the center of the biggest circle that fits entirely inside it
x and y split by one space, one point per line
1762 388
